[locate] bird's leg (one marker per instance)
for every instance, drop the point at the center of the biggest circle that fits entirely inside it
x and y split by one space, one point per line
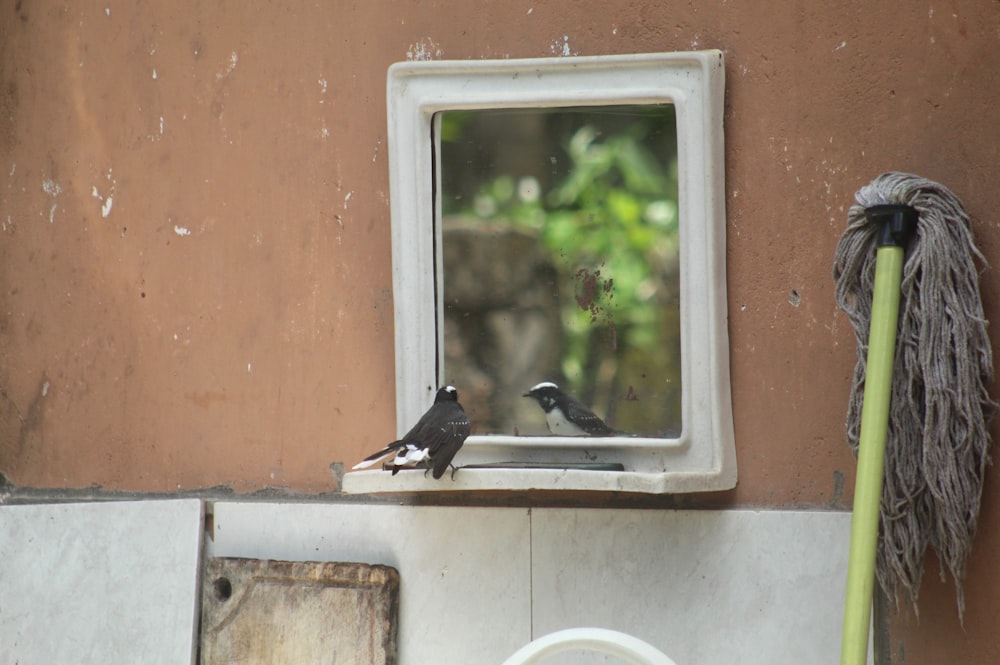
454 469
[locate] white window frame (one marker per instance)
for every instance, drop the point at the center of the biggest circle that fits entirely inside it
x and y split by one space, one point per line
703 457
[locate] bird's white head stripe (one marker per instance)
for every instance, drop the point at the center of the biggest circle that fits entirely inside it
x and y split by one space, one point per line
544 384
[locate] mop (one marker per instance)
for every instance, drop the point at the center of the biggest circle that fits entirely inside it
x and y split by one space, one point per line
906 276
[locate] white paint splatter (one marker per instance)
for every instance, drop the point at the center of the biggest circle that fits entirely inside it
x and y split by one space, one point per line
425 49
561 47
51 187
13 167
839 46
45 389
181 231
325 133
249 368
161 125
347 199
154 73
530 9
234 59
106 201
107 11
322 89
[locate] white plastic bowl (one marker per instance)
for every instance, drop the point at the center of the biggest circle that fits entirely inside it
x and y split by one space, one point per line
611 642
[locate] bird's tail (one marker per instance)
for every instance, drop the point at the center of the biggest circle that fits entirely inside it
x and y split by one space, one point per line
376 457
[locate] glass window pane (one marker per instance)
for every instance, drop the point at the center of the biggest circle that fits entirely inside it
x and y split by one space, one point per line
560 263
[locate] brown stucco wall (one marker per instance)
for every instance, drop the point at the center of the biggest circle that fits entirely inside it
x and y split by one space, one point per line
228 321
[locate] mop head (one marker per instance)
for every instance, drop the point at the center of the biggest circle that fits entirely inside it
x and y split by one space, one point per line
937 447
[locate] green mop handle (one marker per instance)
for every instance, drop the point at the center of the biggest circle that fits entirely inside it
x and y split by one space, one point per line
897 223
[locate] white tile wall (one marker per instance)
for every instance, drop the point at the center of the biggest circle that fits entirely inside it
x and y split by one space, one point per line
705 587
113 582
117 582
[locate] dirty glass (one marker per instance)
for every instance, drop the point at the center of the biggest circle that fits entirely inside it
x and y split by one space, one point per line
559 262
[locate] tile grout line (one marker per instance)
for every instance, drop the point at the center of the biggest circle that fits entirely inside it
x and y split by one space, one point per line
531 578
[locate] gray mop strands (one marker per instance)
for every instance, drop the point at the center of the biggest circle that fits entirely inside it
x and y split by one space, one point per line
937 447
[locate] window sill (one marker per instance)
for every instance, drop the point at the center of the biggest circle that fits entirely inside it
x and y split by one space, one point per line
651 466
519 480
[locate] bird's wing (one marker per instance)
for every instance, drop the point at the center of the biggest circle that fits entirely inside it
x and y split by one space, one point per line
421 427
587 419
435 426
447 439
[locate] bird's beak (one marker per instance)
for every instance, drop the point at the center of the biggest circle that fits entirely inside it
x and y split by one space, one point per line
526 395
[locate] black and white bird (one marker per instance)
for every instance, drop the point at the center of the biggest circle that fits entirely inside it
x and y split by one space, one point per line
435 439
565 415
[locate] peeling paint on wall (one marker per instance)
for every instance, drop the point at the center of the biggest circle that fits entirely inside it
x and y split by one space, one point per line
234 59
106 201
425 49
52 188
562 47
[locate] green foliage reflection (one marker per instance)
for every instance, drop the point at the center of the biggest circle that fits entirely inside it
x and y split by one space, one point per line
604 205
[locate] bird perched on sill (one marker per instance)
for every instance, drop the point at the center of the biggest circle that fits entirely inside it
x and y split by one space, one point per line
434 440
565 415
